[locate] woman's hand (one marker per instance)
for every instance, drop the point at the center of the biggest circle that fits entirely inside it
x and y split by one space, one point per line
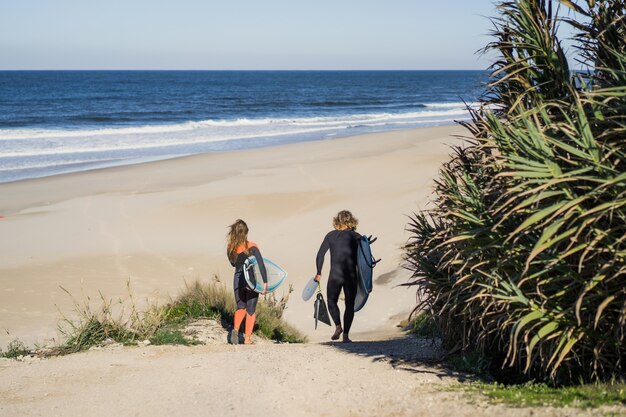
264 288
317 278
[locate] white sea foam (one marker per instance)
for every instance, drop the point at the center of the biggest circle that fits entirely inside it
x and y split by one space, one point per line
457 109
38 149
140 143
459 104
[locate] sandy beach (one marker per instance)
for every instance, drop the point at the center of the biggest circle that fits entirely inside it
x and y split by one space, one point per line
161 224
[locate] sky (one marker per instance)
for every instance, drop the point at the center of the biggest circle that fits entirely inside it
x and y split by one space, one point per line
244 34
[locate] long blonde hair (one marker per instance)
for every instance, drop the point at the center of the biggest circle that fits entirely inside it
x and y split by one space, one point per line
237 236
345 220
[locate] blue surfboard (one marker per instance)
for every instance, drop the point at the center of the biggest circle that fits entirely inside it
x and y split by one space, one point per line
365 271
252 274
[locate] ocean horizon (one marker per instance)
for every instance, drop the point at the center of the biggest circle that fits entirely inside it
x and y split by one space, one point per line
62 121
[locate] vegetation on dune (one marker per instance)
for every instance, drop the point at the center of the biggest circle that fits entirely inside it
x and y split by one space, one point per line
421 324
522 258
14 349
217 301
122 322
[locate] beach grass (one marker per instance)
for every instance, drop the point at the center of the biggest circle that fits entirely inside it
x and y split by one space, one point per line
532 394
170 335
422 324
201 300
122 322
14 349
270 324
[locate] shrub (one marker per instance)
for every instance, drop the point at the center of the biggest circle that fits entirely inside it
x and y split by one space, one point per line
14 349
522 257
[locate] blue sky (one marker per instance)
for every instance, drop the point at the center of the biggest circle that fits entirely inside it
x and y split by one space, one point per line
243 34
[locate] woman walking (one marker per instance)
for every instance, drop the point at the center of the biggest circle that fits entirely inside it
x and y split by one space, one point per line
342 243
238 250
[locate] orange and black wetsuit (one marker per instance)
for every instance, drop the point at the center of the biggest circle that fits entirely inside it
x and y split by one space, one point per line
343 245
245 297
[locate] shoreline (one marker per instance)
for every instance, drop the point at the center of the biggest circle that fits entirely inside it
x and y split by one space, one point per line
164 222
104 165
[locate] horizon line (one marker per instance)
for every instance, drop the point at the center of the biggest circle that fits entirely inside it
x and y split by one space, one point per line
225 70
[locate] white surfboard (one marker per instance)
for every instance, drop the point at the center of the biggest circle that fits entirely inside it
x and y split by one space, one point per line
252 273
309 289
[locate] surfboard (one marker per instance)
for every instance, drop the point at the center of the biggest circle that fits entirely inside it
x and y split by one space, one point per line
309 289
252 273
365 271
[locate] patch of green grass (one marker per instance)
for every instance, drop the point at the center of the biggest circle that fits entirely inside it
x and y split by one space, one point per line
423 325
181 312
533 394
14 349
201 300
169 336
520 393
470 362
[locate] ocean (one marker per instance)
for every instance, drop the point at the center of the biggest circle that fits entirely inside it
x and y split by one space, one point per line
54 122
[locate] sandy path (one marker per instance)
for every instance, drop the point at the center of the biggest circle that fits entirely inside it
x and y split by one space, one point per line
376 378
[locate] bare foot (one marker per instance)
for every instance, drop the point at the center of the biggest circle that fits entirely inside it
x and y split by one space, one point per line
346 339
247 341
338 331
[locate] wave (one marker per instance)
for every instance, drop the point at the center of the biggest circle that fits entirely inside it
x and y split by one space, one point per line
459 104
455 109
25 153
164 143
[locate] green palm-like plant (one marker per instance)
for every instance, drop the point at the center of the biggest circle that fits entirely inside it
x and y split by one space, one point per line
523 255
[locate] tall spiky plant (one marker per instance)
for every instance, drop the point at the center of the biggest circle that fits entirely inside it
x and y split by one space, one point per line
523 255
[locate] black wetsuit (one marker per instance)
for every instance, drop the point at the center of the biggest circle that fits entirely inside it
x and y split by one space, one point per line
343 245
244 296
